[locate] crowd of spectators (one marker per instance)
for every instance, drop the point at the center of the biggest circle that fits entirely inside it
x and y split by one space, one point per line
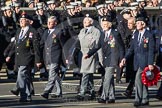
85 3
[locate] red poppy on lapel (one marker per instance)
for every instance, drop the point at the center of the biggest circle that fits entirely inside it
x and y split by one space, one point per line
145 40
110 37
30 35
53 36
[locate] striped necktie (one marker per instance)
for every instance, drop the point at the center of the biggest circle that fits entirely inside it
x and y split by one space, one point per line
21 34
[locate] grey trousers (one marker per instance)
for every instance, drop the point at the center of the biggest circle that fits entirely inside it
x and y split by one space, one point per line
53 79
108 84
24 81
141 91
87 83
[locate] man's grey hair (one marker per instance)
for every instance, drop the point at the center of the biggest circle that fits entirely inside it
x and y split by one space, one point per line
88 18
54 18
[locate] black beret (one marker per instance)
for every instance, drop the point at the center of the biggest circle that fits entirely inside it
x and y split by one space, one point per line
24 15
30 2
125 11
141 19
107 18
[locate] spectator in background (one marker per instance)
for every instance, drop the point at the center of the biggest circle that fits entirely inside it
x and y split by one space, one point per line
120 3
116 3
155 3
88 3
149 4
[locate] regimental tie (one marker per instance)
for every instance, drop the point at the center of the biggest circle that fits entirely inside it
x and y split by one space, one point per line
106 36
139 39
21 34
49 32
86 30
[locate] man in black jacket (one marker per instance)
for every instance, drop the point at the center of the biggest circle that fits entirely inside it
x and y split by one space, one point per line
26 49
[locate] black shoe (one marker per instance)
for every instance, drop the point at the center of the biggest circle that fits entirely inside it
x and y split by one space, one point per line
119 81
15 92
145 104
32 93
56 96
159 97
101 101
75 74
11 76
111 101
79 97
92 96
136 104
44 75
45 95
32 75
25 100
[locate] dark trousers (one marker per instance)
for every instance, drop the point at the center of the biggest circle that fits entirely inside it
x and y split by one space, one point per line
129 69
131 82
159 93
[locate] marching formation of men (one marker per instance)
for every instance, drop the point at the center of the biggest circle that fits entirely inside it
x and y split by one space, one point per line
49 41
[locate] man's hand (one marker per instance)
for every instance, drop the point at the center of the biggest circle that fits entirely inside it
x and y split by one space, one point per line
39 65
67 61
86 56
151 67
122 63
8 59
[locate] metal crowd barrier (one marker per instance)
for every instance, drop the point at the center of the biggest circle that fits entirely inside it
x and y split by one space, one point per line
154 13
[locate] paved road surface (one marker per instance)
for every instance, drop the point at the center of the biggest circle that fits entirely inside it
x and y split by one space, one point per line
68 100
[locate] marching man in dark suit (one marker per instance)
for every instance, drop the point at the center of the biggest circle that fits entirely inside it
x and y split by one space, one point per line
52 41
142 47
113 51
26 49
158 40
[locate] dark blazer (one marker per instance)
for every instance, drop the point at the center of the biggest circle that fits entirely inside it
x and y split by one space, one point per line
158 51
112 54
52 44
143 53
28 48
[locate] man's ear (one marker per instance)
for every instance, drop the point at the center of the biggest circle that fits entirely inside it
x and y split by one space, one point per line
144 24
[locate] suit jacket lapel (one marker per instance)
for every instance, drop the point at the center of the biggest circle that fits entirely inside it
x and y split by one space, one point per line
18 33
136 38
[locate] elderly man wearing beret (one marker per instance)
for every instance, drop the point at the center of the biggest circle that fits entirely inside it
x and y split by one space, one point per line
26 52
142 47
